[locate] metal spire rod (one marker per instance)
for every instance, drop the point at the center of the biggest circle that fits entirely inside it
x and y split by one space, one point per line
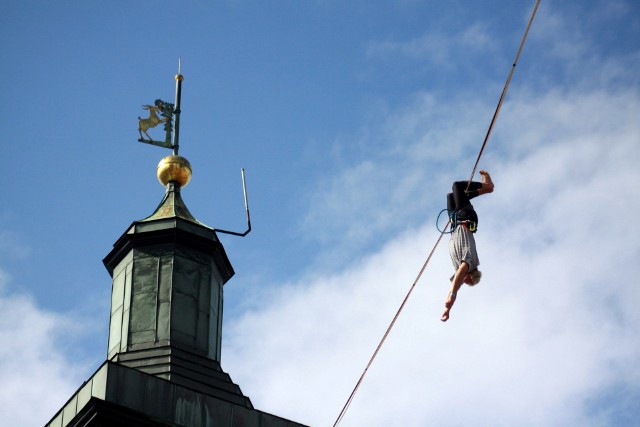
176 130
246 208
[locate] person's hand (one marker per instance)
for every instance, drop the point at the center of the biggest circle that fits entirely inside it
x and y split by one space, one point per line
451 298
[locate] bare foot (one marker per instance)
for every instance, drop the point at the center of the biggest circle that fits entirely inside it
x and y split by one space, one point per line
486 178
487 183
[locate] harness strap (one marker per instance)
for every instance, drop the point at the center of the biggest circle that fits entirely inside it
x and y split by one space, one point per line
472 226
469 225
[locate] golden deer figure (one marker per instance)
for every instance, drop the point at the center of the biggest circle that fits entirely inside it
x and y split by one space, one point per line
152 121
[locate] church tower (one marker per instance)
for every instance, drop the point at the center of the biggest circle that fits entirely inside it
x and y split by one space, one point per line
164 346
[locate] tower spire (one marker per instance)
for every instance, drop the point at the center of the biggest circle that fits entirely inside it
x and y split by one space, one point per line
169 270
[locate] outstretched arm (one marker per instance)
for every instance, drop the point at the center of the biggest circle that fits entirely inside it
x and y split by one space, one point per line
456 283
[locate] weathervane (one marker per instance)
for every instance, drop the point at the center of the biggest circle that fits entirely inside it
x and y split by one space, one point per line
174 171
167 113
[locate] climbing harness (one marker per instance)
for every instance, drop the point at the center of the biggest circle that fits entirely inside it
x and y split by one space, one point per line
472 226
442 233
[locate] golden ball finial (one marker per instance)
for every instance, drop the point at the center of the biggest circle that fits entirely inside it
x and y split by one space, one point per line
176 169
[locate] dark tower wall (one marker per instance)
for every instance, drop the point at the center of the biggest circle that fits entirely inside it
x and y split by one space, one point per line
166 301
166 294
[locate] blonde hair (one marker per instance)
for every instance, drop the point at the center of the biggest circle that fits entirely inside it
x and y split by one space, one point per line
475 275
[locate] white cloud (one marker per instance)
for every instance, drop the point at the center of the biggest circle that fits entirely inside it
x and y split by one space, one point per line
552 328
554 321
435 47
37 375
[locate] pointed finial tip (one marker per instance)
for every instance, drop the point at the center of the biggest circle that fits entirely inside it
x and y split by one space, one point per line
179 76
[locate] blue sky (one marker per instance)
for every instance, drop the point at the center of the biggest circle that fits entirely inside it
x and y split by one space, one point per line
351 119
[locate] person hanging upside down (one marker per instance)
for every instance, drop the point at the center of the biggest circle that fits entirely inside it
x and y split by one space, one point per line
462 245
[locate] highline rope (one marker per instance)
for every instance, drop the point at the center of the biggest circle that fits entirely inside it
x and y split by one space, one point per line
424 266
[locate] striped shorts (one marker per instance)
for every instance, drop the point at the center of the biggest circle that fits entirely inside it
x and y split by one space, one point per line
462 247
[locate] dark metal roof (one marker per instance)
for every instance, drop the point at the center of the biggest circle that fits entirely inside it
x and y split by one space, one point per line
171 222
120 396
172 206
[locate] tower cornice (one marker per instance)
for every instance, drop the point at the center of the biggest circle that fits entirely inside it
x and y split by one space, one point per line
174 230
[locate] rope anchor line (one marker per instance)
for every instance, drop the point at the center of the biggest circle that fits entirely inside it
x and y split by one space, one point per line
386 334
424 266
